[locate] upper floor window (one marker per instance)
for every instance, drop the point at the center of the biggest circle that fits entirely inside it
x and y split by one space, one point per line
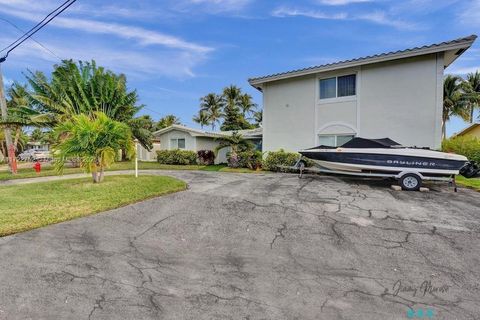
335 87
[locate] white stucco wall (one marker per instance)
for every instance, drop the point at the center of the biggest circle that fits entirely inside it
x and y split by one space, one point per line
145 155
399 99
204 143
165 144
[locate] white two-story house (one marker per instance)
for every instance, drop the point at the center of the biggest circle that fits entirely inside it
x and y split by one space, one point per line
398 95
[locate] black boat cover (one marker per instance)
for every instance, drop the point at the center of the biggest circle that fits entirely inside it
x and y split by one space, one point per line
371 143
365 143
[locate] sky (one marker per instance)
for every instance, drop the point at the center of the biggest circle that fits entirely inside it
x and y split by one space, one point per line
176 51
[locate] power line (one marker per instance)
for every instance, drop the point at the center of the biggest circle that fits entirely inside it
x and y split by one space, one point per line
52 15
31 38
35 26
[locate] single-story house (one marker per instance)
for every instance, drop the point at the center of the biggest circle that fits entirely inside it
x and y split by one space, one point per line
396 94
185 138
146 155
472 130
37 145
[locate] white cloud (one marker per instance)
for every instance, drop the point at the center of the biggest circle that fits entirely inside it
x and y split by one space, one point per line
143 36
283 12
470 14
377 17
133 63
341 2
221 5
462 70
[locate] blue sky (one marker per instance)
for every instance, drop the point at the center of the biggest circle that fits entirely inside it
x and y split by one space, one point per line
175 51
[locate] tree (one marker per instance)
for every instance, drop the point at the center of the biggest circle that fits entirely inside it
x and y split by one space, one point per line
84 88
233 118
258 117
235 142
247 105
37 135
212 105
167 121
472 91
94 139
20 114
202 119
454 103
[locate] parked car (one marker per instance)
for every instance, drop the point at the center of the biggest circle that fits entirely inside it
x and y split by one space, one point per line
42 155
26 155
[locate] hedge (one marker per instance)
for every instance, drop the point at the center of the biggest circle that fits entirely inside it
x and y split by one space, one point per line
467 146
179 157
276 159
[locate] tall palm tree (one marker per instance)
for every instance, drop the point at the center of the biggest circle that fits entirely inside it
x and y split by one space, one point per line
202 119
85 88
232 96
212 104
167 121
246 104
454 103
472 92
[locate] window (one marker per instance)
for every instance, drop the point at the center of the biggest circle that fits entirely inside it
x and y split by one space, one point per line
343 86
328 88
177 144
346 85
334 140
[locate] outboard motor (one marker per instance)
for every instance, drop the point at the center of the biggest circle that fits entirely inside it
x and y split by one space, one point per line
470 170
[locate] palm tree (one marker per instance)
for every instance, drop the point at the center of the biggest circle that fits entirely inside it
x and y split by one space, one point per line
472 92
232 96
246 104
454 103
258 117
20 114
167 121
212 104
235 142
95 139
85 88
202 119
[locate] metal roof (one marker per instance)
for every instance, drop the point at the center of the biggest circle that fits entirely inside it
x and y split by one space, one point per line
460 45
249 133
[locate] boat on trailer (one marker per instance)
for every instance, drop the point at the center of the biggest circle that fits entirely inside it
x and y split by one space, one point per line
387 158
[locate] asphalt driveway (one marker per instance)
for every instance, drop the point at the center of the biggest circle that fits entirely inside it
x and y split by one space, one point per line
252 246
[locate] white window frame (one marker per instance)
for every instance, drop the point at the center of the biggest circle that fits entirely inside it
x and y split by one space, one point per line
336 137
337 99
174 144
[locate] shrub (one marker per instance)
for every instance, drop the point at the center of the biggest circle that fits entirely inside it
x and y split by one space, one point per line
276 159
467 146
206 157
250 159
181 157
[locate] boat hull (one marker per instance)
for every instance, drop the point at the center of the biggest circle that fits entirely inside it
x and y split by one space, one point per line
427 162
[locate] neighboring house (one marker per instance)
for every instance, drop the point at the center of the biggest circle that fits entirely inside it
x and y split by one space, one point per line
473 130
145 155
185 138
397 95
34 145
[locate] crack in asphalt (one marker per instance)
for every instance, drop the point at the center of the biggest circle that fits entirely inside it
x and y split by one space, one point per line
279 234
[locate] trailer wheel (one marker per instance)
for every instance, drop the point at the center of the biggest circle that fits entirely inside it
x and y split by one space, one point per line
410 182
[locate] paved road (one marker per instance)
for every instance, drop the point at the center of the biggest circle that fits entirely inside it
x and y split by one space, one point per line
254 247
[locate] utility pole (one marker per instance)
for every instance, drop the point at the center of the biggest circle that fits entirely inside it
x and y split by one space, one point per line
8 134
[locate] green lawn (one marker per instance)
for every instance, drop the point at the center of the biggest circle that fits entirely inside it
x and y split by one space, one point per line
473 183
48 170
30 206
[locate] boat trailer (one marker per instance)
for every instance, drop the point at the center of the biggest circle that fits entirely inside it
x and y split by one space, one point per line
407 179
